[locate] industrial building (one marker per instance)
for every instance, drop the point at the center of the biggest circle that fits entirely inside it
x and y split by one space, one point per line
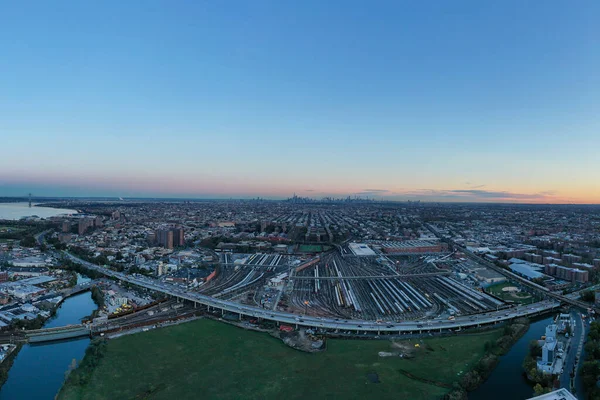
412 246
526 270
361 249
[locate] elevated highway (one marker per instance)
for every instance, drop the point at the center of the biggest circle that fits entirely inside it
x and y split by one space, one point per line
336 324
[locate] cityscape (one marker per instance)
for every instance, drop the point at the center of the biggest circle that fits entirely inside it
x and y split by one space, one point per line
309 272
299 200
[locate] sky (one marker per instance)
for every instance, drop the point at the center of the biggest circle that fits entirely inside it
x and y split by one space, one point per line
396 100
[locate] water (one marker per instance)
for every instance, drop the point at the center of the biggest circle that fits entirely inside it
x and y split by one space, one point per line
507 380
39 370
15 211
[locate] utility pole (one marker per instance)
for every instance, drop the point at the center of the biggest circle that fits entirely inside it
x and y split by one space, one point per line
29 200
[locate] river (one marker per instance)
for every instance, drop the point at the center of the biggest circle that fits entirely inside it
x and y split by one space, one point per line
39 370
15 211
507 378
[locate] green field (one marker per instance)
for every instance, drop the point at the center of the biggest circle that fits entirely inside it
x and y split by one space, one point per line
519 297
4 228
310 248
206 359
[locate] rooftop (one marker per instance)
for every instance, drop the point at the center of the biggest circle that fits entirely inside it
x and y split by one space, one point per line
560 394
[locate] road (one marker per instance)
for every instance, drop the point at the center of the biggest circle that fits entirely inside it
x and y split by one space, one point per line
573 351
39 238
400 327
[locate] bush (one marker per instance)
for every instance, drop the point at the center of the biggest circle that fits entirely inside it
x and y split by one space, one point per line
588 296
28 241
98 296
93 355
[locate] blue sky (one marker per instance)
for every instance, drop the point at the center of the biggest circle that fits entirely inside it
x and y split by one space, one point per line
475 101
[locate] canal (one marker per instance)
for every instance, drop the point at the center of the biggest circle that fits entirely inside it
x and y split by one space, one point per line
507 378
39 370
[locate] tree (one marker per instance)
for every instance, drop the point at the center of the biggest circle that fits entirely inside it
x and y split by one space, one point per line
594 333
538 281
540 390
588 296
590 372
28 241
535 350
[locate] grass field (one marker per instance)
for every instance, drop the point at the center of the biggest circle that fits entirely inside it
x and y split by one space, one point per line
4 228
310 248
206 359
519 297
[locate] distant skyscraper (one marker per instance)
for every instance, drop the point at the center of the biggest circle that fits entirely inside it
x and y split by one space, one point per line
178 237
66 226
84 224
170 237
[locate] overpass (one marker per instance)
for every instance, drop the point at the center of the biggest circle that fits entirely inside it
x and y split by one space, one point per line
334 324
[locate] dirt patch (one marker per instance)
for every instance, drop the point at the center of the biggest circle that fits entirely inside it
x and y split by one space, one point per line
300 340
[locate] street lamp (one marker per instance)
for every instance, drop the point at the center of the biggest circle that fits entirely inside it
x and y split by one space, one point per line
305 307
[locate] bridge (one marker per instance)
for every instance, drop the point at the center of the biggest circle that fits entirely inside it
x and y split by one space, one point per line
334 324
59 333
84 287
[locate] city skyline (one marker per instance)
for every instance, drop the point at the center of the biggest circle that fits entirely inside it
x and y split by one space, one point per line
395 101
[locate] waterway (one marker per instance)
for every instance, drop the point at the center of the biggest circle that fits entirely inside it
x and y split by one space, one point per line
39 370
15 211
507 379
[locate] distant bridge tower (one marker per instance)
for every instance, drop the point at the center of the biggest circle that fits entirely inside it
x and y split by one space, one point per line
29 200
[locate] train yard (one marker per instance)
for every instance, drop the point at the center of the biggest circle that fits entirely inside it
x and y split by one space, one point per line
358 288
243 273
383 288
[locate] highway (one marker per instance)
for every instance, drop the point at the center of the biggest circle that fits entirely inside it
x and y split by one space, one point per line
399 327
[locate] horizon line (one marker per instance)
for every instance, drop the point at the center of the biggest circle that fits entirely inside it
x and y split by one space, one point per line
337 199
